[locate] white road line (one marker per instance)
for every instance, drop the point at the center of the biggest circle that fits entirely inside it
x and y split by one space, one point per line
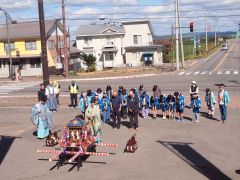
235 72
210 72
219 72
181 73
227 72
196 73
188 73
204 72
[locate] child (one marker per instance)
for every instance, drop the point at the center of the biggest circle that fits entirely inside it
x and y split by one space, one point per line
83 102
154 104
124 98
144 104
163 105
179 105
210 100
196 106
171 106
105 108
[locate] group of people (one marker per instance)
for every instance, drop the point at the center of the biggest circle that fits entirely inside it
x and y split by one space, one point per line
104 105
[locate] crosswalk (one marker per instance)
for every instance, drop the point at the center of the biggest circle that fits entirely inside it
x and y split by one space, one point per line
219 72
6 88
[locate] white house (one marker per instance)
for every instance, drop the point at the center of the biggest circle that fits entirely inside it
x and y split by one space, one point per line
128 44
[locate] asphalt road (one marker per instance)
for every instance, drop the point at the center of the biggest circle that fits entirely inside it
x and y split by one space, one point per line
167 149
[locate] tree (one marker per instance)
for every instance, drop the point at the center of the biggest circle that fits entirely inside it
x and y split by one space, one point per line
90 60
167 48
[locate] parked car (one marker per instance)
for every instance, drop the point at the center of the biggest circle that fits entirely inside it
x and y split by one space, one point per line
224 47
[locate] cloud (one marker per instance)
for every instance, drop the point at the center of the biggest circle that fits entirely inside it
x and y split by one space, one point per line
13 4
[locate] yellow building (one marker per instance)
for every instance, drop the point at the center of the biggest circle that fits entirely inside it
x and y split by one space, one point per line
26 48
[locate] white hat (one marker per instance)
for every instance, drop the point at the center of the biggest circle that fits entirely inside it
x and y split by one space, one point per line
194 82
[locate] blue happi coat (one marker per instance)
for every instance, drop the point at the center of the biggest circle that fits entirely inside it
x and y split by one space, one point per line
124 99
145 98
154 102
171 103
210 100
196 105
82 105
180 103
105 104
163 103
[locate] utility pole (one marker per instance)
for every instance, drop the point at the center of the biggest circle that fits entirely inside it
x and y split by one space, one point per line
206 33
180 31
9 49
215 33
172 48
66 64
43 43
177 40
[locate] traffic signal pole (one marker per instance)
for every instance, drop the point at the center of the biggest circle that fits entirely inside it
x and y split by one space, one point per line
43 43
177 40
181 39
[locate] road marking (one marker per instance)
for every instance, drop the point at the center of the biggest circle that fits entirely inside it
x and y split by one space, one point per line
227 72
210 72
188 73
224 57
219 72
196 73
235 72
204 72
181 73
13 87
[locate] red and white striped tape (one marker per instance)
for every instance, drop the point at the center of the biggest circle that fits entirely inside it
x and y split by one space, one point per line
74 157
95 153
107 145
49 151
55 156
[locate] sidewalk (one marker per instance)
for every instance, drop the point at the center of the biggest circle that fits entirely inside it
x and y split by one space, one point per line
114 73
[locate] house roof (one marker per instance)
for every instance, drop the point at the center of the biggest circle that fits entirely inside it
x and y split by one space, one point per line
140 22
99 29
30 29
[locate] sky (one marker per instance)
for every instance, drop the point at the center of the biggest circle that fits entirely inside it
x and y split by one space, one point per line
224 15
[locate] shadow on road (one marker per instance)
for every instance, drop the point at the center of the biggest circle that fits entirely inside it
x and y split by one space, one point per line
5 145
185 152
205 114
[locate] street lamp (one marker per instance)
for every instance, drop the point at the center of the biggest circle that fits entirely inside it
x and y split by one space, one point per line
8 18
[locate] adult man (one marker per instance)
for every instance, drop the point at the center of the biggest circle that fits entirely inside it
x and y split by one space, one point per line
116 105
223 100
42 94
57 88
73 88
193 90
51 97
133 109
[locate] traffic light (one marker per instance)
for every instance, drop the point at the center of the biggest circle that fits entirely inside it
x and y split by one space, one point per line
191 27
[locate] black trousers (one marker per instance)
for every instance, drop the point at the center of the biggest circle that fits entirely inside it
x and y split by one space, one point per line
116 116
124 111
73 97
57 98
133 119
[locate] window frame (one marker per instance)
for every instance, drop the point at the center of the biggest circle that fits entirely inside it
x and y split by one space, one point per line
32 47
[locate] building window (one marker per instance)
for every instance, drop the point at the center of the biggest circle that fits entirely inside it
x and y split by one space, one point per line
137 39
110 40
87 41
51 44
30 45
35 63
12 46
60 44
109 56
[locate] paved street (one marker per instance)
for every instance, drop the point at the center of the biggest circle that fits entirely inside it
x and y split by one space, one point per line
167 149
